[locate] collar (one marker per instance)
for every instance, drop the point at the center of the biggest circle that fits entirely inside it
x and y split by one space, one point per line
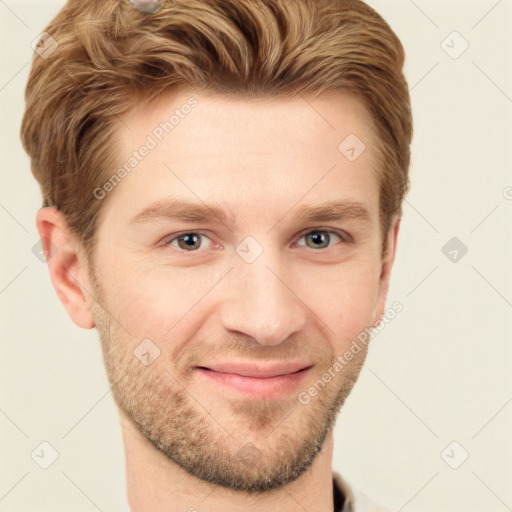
348 498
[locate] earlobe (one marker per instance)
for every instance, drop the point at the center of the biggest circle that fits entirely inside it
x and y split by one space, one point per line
68 270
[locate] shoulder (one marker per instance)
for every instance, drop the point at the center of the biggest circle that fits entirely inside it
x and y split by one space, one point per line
355 500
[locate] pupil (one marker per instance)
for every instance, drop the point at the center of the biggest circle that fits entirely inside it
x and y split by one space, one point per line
320 239
189 240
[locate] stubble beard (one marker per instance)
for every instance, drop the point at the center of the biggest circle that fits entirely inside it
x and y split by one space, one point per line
257 446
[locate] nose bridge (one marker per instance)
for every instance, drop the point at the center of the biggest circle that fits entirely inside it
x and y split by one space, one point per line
261 304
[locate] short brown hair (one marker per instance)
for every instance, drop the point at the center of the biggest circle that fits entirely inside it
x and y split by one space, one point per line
107 52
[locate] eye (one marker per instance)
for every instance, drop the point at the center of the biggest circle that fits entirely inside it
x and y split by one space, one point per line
192 241
319 239
189 242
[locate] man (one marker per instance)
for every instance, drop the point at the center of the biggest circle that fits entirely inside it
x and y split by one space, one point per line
222 185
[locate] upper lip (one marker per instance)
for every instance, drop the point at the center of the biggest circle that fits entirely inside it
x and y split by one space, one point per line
260 369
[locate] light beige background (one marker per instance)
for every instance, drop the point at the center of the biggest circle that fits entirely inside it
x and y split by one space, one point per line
439 372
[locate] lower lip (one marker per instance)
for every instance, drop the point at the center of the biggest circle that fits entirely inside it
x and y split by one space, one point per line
268 387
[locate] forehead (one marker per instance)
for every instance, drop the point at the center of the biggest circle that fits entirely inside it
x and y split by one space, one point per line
215 116
261 151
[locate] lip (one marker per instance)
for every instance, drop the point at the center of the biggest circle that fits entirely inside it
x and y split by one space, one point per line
260 380
262 370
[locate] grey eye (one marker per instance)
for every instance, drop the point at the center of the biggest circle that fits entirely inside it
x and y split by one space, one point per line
145 6
320 238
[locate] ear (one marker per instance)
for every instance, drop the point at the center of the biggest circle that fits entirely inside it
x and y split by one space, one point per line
387 264
67 265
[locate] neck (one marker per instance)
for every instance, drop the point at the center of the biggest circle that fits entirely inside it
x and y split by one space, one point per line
157 484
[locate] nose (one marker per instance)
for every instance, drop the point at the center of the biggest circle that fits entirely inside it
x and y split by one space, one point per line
261 302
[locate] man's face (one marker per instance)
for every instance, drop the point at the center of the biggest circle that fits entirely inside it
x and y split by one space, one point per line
263 286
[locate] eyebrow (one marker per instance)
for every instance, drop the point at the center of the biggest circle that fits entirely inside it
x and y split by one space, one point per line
192 212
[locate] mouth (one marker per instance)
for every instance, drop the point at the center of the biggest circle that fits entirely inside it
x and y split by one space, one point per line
258 380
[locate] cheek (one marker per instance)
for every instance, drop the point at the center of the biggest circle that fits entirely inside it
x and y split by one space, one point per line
171 303
151 303
345 303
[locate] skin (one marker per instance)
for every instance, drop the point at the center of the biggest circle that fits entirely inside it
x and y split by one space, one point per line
189 444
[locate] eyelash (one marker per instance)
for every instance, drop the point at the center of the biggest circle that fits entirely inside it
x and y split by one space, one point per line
345 238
